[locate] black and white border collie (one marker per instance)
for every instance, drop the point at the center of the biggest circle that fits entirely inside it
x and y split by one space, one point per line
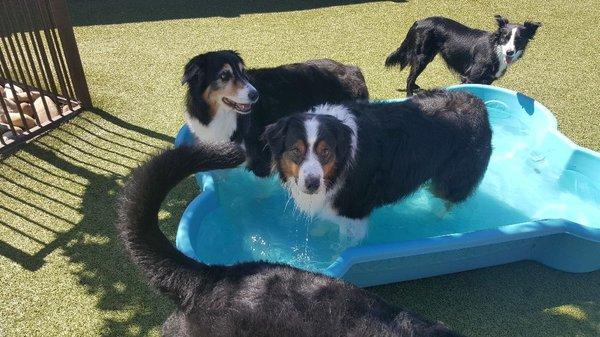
340 162
246 299
226 101
476 55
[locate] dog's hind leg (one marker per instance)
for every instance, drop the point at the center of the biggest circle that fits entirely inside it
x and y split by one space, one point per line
424 50
458 180
417 65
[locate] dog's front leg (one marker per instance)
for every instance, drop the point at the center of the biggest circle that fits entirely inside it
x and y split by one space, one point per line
354 230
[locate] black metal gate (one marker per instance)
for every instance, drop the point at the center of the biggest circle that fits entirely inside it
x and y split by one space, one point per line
41 77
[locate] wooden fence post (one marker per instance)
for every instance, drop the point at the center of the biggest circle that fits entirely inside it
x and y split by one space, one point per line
60 12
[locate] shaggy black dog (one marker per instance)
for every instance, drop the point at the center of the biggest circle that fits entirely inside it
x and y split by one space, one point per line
248 299
226 102
476 55
340 162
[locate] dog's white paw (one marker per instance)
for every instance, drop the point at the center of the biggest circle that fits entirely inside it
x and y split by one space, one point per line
442 209
354 230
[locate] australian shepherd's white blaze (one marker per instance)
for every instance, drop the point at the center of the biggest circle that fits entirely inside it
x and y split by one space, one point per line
476 55
340 162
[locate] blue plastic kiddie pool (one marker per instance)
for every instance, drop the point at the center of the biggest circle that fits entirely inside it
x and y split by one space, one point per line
539 200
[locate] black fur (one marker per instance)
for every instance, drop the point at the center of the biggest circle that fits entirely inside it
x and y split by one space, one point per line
248 299
469 52
442 136
283 90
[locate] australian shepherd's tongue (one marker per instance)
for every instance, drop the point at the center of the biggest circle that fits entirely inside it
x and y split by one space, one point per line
243 108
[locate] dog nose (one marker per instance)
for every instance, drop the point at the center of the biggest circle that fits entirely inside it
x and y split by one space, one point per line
312 183
253 95
510 52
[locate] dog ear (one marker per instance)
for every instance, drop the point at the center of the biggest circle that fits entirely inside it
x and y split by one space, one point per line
274 135
531 28
193 69
343 135
502 22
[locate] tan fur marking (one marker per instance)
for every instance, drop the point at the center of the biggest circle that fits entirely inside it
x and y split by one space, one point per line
214 97
301 146
329 166
289 168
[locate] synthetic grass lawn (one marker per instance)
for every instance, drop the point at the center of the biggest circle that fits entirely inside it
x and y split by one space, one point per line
61 268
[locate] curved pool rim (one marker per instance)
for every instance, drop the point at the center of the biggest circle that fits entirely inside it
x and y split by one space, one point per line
556 243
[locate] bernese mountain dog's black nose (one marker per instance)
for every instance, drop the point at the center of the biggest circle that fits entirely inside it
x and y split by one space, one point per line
312 183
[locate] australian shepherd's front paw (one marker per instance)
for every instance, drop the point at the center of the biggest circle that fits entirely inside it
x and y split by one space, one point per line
354 230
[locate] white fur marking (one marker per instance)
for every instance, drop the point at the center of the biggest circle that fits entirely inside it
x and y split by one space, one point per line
345 116
309 203
242 95
220 128
354 229
502 51
319 204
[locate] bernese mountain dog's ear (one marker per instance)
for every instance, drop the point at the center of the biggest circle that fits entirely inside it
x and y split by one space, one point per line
531 28
343 135
194 69
502 22
274 136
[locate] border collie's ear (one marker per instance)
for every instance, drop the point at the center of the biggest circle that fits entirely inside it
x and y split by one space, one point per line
194 68
531 28
274 135
502 22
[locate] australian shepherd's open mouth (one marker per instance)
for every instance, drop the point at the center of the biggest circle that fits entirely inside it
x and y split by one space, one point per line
241 108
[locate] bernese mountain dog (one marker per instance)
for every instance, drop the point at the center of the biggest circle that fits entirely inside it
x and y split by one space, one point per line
225 101
476 55
340 162
246 299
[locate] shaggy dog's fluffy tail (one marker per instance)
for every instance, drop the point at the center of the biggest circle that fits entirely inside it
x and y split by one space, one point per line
401 56
165 267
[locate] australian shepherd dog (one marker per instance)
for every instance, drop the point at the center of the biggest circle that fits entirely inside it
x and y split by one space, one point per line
226 101
340 162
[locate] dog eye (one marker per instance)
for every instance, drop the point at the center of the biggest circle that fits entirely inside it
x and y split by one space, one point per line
325 152
296 152
225 76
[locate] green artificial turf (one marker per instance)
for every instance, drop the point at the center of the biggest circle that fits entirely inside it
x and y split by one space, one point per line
62 272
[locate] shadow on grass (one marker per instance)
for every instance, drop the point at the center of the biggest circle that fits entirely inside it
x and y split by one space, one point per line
523 299
89 240
520 299
93 12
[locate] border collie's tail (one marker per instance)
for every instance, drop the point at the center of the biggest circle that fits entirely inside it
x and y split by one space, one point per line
165 267
401 55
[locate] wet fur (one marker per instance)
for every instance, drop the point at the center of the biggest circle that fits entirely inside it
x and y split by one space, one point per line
472 53
283 90
441 136
247 299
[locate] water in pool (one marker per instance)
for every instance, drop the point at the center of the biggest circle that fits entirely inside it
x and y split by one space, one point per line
258 221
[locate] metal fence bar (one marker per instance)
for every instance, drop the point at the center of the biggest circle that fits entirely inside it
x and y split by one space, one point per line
41 73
